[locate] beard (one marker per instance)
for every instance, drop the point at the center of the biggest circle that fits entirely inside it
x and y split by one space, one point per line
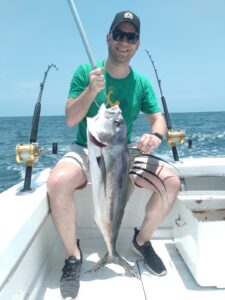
120 57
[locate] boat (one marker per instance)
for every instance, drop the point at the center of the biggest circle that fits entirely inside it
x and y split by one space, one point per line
190 242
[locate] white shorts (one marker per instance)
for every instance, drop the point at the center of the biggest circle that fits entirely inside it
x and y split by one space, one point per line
79 156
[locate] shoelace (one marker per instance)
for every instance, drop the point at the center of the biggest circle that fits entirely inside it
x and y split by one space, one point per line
71 270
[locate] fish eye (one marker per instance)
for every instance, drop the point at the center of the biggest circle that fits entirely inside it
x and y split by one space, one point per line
116 123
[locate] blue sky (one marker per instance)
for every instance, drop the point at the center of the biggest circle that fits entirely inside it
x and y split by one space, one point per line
185 38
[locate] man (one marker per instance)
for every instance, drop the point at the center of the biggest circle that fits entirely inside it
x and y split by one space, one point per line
113 82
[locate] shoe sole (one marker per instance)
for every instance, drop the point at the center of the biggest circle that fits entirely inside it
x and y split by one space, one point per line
163 273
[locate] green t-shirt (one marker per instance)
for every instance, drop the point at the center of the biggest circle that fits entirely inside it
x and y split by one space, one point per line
134 94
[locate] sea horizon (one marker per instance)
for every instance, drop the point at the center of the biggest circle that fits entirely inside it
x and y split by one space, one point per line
186 112
206 130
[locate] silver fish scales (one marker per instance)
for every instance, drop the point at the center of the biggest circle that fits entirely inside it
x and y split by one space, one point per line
109 168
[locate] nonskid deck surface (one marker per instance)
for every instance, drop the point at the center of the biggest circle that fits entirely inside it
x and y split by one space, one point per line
111 282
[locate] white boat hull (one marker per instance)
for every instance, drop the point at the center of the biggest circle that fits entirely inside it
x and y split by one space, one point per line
31 254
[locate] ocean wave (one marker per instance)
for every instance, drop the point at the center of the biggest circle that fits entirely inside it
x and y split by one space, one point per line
205 130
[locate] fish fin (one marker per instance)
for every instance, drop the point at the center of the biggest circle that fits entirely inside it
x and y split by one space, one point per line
161 159
149 181
152 173
135 152
102 168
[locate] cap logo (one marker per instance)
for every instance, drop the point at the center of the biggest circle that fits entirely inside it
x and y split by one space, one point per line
128 15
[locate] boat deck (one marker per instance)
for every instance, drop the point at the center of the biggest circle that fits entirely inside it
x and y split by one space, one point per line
111 282
32 255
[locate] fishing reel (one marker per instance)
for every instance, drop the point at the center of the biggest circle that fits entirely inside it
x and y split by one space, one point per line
29 153
175 137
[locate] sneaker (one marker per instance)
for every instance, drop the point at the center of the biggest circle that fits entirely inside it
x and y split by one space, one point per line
70 280
152 260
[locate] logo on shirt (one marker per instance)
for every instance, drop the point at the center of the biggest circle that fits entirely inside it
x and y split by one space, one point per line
108 96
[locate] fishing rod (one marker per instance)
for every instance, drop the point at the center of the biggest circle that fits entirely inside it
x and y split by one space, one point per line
83 38
29 153
82 33
173 137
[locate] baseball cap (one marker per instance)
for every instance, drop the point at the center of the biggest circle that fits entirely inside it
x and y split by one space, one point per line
126 16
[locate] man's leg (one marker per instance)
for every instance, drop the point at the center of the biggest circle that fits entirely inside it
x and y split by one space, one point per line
165 188
63 180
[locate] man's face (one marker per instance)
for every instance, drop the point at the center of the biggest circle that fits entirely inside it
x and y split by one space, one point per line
122 50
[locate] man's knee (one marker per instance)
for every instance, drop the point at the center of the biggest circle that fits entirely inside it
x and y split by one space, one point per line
55 182
66 178
175 182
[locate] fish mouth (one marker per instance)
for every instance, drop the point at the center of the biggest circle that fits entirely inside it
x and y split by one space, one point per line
96 142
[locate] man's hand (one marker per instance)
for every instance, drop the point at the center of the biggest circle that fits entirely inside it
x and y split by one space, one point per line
97 80
148 143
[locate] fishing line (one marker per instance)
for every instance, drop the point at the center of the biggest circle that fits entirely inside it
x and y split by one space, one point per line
142 283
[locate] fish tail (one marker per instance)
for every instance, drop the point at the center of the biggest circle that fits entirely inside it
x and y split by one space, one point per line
116 259
101 263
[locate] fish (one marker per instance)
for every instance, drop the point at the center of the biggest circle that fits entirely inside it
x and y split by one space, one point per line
109 163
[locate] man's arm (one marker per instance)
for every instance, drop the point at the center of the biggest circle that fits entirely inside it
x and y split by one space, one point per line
158 123
77 108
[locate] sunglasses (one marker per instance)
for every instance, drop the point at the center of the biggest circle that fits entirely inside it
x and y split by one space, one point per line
118 35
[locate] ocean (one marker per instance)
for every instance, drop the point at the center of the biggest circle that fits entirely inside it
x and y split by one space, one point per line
206 130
